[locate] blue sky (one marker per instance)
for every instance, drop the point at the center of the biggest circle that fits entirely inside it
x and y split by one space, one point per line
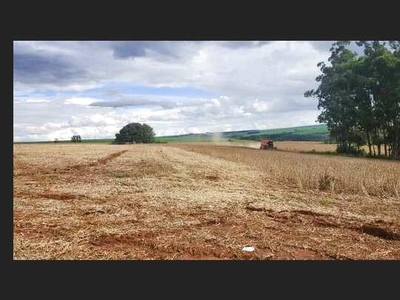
94 88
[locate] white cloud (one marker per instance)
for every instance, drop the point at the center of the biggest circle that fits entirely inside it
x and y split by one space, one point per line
37 100
80 100
253 86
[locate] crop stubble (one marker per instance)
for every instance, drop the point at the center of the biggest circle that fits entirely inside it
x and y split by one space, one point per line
200 202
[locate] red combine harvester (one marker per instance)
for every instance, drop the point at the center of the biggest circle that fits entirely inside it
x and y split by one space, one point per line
267 144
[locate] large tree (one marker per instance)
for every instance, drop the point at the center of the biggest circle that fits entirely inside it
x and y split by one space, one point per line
360 97
135 133
382 68
337 97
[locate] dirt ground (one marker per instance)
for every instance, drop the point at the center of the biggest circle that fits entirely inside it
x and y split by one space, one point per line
89 201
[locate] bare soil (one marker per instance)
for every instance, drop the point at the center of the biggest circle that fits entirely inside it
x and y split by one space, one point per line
172 202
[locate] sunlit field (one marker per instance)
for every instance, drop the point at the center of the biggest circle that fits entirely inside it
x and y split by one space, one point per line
201 201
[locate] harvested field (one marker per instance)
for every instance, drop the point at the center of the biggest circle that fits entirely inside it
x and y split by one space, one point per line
281 145
314 172
293 146
90 201
305 146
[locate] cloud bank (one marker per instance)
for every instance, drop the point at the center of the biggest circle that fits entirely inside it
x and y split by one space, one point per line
93 88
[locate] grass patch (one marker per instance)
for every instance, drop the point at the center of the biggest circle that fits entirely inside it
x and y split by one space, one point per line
120 174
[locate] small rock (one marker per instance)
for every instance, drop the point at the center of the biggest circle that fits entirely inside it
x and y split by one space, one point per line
248 249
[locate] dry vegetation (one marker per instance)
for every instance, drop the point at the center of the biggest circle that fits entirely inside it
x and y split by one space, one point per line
305 171
294 146
305 146
201 202
282 145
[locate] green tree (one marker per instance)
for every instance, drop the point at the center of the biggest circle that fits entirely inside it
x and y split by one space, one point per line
360 97
337 97
394 134
383 73
135 133
76 138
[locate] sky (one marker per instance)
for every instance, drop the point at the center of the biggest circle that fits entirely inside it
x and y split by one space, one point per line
94 88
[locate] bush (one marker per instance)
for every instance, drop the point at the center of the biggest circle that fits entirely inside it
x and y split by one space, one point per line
350 150
76 138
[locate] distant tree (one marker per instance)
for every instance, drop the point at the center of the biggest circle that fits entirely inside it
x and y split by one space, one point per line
56 140
76 138
135 133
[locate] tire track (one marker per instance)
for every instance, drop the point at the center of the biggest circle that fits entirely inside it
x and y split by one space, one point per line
381 229
100 161
26 169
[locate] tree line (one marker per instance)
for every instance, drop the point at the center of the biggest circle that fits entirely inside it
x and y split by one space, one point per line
359 96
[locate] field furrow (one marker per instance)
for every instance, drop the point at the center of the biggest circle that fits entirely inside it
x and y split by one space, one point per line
199 202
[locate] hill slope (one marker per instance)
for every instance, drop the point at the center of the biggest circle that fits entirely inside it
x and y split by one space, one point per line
302 133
